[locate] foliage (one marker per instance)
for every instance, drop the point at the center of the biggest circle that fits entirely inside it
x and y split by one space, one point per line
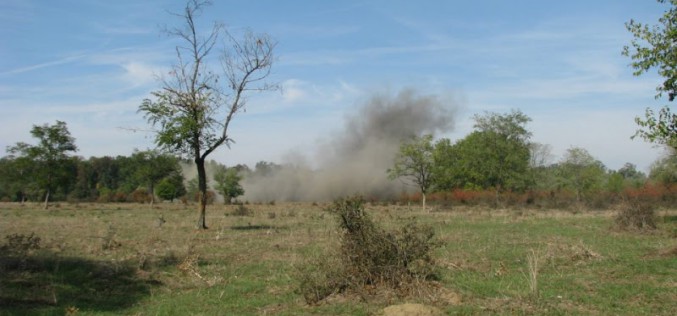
581 172
195 106
228 183
664 170
171 187
140 195
494 156
414 161
371 256
653 47
47 161
151 166
661 129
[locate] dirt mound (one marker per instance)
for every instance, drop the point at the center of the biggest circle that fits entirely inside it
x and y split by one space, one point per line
411 310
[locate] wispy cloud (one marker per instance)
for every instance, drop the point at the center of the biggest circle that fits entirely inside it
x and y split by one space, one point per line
56 62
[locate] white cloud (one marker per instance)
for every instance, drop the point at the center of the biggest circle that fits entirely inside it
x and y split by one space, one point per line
138 73
293 91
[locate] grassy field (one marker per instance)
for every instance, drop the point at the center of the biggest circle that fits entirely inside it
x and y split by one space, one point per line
111 259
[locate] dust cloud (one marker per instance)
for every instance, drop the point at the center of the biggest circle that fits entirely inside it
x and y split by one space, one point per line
355 160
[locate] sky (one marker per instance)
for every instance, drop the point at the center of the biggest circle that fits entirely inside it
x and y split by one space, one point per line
90 63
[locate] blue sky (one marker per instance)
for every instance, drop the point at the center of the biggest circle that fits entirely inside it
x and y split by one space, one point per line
91 63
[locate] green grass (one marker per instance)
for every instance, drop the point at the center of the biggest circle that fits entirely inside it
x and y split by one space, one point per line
111 259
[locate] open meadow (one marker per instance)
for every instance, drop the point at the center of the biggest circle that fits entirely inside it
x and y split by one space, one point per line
134 259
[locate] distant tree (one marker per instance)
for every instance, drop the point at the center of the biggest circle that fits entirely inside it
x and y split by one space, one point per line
98 178
445 160
414 162
654 47
195 106
541 167
664 170
631 176
49 158
511 126
540 155
228 183
494 156
151 167
171 187
265 168
581 172
16 178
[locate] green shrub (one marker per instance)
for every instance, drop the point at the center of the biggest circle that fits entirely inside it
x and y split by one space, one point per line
372 256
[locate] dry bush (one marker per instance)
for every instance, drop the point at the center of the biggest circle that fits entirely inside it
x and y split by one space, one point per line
636 215
241 210
139 195
20 244
371 256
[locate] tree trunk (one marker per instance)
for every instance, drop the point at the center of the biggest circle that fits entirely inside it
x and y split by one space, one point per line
202 187
151 191
423 201
46 199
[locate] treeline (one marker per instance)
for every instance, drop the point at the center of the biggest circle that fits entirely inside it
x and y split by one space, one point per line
497 164
100 179
48 171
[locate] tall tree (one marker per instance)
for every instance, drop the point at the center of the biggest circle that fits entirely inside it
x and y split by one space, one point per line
195 106
654 47
414 162
49 157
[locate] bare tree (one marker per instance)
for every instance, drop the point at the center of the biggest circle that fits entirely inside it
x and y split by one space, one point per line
196 104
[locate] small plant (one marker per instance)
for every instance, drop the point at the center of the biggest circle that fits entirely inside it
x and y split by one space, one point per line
533 261
71 310
108 241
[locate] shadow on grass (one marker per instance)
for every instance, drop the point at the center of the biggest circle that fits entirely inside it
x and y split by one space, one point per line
47 284
254 227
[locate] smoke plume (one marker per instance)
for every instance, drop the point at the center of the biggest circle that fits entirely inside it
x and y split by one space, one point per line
355 160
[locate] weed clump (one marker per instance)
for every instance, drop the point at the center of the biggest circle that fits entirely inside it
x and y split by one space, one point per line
636 215
241 210
370 256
